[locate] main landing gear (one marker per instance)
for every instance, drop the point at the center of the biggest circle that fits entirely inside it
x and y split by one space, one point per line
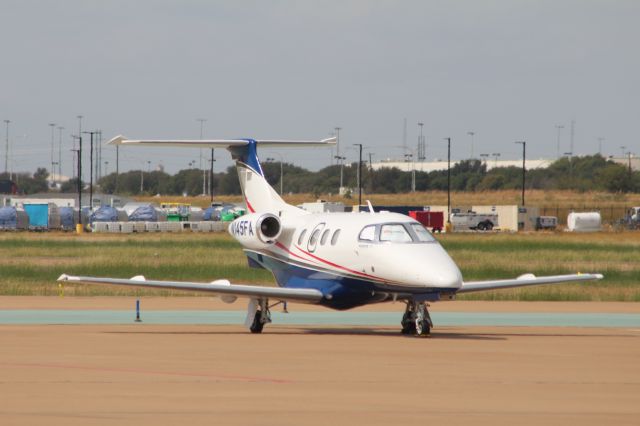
258 315
416 319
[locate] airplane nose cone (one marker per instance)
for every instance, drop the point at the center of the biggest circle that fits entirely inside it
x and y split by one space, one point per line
440 270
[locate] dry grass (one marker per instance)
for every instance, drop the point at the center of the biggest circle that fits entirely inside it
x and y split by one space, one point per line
30 263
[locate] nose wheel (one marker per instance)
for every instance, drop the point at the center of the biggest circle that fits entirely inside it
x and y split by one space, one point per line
416 319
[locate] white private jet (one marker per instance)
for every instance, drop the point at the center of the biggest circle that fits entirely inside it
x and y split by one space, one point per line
337 260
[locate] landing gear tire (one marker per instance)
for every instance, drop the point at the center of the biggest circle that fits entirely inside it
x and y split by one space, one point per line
416 320
257 325
408 326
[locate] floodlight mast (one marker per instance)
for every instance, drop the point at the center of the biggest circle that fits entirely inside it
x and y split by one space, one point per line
524 149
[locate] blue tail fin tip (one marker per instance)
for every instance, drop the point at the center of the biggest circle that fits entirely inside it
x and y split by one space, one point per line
248 154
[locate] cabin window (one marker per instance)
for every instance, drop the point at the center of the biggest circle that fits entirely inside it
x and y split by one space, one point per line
325 235
334 238
301 237
368 233
395 233
421 232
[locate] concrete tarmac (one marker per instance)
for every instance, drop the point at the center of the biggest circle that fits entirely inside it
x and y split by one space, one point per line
146 374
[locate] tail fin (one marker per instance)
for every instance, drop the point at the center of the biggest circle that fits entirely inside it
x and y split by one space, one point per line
258 194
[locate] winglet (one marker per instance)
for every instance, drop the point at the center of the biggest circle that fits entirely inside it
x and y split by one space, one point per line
331 141
118 140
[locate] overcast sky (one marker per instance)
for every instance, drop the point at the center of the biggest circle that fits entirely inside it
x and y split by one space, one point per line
506 70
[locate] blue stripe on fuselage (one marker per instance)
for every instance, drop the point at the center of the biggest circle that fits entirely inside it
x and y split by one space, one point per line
339 292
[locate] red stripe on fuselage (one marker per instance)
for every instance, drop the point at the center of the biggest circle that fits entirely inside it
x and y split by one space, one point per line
340 267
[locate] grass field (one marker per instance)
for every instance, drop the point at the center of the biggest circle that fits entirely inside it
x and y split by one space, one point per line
30 263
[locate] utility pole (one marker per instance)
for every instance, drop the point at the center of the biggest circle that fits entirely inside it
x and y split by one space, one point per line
79 182
359 145
53 171
90 169
600 139
559 127
472 134
74 141
340 161
211 175
204 173
524 150
495 157
117 166
60 129
6 149
448 183
370 173
421 144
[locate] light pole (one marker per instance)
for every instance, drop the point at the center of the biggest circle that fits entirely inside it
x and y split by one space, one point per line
53 172
341 162
569 157
79 182
524 153
485 156
60 129
106 168
211 184
600 139
117 165
359 145
409 158
448 183
337 129
421 145
79 117
90 169
472 134
6 149
559 127
623 148
204 173
495 157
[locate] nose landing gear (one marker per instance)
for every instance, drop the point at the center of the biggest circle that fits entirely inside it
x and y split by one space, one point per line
416 319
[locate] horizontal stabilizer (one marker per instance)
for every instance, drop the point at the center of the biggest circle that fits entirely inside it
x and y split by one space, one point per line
218 143
221 287
525 280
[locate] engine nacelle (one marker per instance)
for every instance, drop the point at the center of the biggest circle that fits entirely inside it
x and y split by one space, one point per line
256 230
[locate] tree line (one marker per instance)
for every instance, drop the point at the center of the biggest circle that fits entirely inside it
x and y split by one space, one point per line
578 173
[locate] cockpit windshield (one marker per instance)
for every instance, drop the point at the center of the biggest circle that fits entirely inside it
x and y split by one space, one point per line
399 233
395 233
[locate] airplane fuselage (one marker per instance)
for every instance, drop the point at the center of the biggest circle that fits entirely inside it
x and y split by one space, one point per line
358 258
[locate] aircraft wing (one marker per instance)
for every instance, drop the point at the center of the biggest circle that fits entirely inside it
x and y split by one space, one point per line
219 287
216 143
525 280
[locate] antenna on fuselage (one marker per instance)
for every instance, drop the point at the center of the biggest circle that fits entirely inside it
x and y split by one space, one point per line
370 207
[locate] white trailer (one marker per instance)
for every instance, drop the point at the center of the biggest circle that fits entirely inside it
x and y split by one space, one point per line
474 221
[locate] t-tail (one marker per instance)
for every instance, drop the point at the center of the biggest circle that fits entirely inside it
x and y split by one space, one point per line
258 194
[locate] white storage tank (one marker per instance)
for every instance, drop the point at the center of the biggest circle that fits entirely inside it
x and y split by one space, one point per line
584 222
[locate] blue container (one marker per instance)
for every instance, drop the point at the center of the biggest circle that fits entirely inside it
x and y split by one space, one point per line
38 215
